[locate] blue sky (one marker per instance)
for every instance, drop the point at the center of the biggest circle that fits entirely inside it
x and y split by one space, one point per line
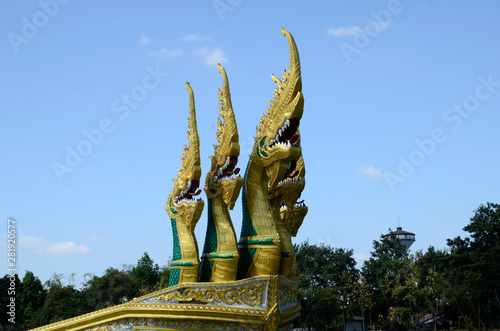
400 119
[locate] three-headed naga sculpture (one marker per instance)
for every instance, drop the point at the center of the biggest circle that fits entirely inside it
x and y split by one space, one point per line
272 184
245 284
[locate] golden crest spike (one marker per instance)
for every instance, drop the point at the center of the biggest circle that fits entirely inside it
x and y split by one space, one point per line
294 53
194 140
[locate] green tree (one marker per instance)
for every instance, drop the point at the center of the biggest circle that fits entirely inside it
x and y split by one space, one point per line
321 274
434 283
363 297
113 288
147 273
476 259
62 302
386 271
31 299
164 277
5 299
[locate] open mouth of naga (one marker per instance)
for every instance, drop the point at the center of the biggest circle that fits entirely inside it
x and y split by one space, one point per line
288 135
298 204
189 194
228 170
292 174
292 177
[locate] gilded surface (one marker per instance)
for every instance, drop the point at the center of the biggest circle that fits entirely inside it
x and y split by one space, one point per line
219 261
288 213
184 207
249 295
293 211
275 147
149 311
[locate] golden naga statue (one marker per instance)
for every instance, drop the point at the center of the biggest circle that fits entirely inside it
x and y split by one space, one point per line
238 285
184 207
219 261
261 241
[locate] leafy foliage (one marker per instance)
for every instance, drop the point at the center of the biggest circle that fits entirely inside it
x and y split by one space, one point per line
53 301
322 274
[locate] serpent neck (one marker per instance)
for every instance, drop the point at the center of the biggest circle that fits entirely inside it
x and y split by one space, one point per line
287 262
257 218
220 252
185 261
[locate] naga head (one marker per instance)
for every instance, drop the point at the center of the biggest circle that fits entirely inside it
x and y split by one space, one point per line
184 197
277 133
223 176
288 191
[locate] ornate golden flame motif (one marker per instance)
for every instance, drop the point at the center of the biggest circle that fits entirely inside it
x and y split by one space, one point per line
249 295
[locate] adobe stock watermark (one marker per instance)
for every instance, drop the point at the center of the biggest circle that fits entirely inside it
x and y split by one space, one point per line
32 25
363 36
454 116
223 6
12 269
122 107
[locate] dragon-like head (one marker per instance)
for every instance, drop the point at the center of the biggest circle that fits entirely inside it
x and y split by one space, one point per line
277 133
288 191
223 176
183 198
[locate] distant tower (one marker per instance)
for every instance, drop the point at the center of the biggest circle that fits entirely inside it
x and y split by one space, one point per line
406 238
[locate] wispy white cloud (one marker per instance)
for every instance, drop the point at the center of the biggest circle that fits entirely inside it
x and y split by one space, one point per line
165 53
353 30
211 56
144 40
39 245
345 31
370 171
95 238
195 37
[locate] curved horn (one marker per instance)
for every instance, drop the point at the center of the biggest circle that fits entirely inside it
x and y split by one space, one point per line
226 107
192 134
294 53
